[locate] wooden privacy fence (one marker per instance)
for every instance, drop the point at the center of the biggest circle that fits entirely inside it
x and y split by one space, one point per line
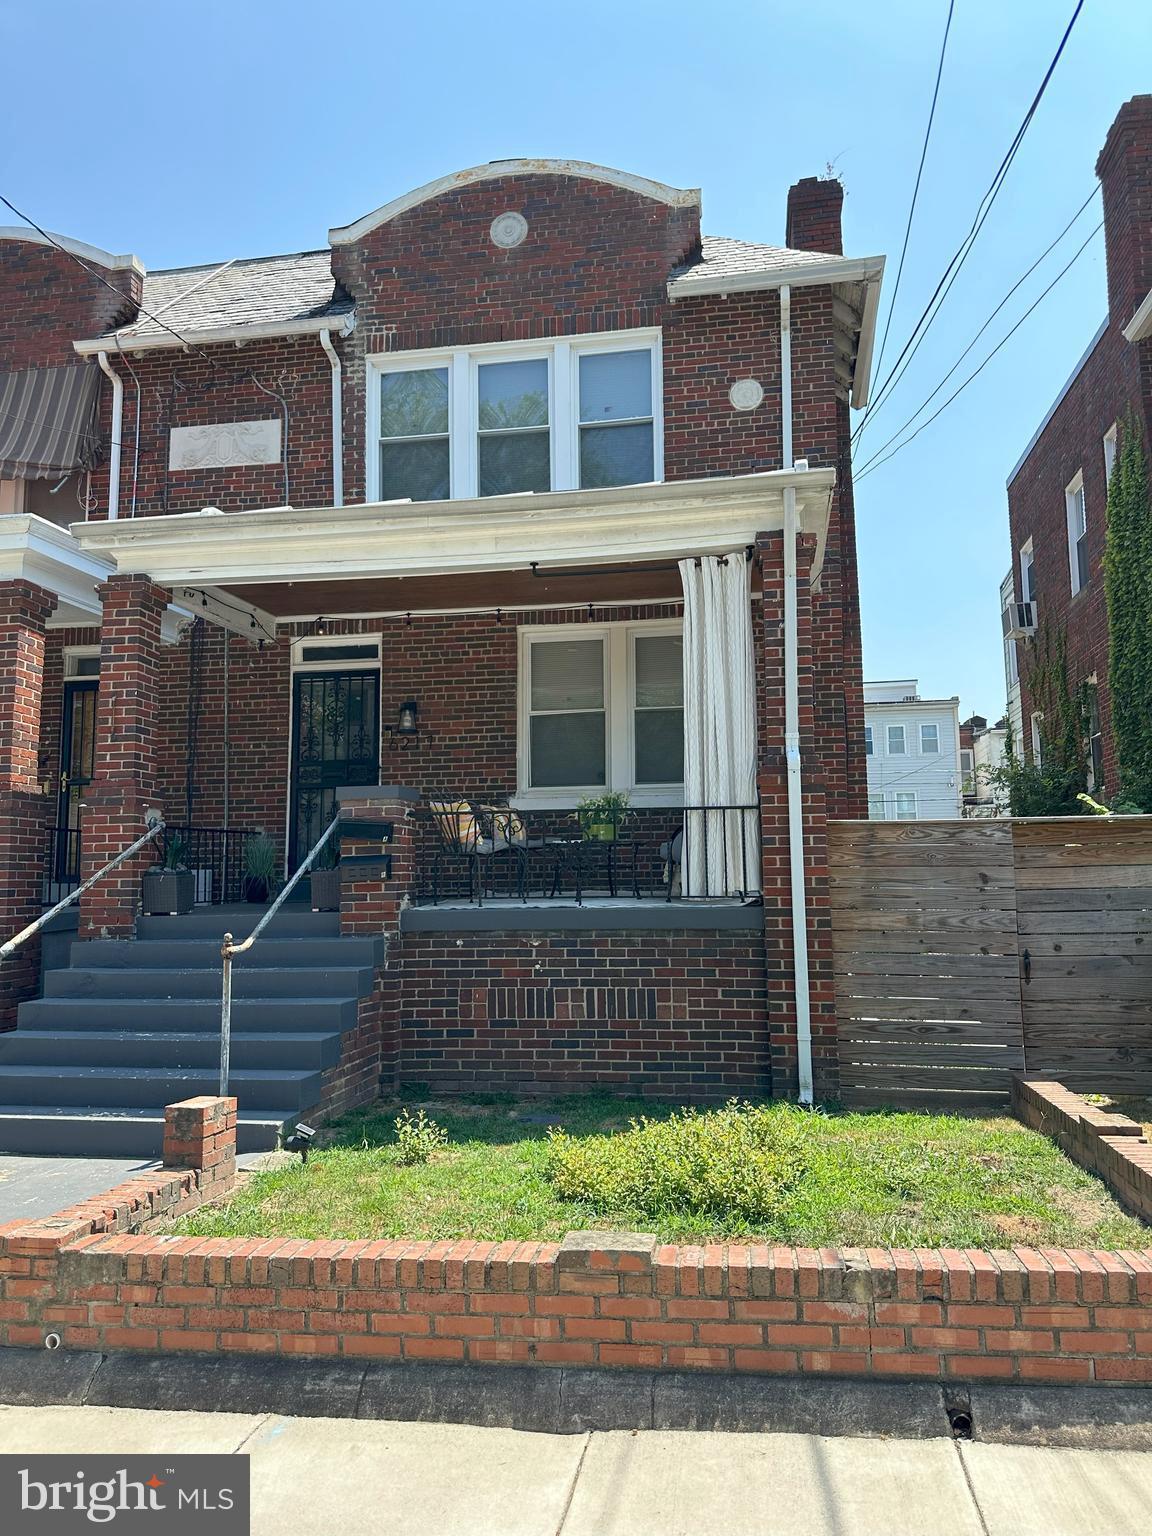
965 950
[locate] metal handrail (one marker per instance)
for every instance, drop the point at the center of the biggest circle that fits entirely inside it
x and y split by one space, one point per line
229 948
14 943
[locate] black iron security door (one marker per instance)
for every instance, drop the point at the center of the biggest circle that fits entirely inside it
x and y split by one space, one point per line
335 741
77 757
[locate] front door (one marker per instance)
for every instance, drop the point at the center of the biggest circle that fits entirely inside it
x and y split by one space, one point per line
77 755
335 741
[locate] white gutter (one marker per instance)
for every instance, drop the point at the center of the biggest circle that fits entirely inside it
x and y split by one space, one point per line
337 419
805 274
117 426
797 885
238 334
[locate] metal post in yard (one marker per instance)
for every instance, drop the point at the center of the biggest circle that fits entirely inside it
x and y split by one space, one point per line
225 1010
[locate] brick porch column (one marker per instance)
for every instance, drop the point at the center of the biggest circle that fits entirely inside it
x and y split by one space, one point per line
376 882
24 607
124 775
376 877
773 781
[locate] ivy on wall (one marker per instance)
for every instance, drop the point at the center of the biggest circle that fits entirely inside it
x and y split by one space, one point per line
1128 588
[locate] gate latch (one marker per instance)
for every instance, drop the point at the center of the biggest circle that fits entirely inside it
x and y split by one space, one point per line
1027 959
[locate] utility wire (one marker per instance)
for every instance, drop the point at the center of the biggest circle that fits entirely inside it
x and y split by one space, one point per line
1015 286
916 188
952 271
100 278
875 461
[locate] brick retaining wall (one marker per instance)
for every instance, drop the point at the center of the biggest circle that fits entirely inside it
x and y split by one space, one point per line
1113 1147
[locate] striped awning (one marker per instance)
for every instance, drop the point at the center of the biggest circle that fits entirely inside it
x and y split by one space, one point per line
48 421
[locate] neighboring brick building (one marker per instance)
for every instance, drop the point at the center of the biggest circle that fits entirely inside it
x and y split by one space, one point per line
454 461
1057 493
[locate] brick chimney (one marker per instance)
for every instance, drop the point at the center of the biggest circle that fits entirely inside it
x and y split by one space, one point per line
1125 171
814 216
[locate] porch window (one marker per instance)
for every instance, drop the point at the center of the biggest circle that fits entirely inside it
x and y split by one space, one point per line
505 419
601 707
414 441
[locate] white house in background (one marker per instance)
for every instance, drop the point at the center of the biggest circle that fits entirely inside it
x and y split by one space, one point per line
982 748
913 748
1011 642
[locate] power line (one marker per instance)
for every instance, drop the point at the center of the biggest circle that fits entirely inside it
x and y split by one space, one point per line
100 278
916 188
952 271
1015 286
875 461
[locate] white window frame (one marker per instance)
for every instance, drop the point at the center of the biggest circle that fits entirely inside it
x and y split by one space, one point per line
1027 570
930 725
903 729
874 801
905 794
1036 724
1075 501
463 363
869 742
302 663
619 706
75 653
1109 445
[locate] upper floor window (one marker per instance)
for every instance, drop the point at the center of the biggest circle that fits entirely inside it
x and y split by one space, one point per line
1027 573
929 737
1077 533
896 743
868 740
506 419
1109 453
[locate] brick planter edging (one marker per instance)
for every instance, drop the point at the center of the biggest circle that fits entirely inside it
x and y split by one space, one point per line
597 1299
1113 1147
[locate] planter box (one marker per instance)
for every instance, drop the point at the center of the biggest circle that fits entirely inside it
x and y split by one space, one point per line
325 886
168 892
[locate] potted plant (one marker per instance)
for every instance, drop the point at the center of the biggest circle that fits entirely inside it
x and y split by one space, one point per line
602 816
261 868
324 884
169 888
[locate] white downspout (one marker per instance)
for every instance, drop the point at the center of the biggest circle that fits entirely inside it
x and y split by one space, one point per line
337 420
117 426
792 723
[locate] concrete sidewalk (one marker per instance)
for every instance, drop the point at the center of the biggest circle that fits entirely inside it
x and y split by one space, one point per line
452 1480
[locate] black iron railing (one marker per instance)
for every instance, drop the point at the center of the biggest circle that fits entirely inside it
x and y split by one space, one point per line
480 852
215 855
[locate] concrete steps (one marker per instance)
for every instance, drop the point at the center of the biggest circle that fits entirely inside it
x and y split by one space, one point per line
132 1025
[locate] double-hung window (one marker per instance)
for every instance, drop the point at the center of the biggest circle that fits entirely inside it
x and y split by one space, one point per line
570 414
929 737
868 741
1077 533
904 805
896 743
875 807
601 707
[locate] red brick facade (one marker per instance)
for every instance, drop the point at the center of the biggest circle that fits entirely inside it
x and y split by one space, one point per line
599 259
1114 378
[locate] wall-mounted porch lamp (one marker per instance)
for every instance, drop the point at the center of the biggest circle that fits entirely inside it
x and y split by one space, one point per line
407 727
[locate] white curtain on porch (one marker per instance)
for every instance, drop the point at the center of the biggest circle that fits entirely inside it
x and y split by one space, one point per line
720 855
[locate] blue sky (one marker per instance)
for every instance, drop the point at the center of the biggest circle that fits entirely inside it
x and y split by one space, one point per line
203 132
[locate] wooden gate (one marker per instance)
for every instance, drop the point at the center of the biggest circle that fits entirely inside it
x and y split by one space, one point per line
927 967
966 949
1084 897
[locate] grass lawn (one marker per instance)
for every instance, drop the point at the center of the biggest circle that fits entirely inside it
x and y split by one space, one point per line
874 1179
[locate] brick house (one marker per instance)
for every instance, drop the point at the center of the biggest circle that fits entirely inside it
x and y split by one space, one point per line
521 490
1058 491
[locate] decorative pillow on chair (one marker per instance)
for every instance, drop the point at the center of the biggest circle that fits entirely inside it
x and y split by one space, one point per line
458 824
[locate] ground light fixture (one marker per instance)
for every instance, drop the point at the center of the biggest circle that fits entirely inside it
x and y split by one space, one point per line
300 1139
